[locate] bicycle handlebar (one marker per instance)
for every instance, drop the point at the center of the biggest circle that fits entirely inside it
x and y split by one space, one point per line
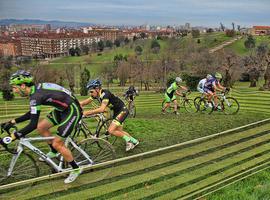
8 132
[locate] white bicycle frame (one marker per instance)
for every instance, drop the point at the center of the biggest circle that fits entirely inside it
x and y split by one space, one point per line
26 142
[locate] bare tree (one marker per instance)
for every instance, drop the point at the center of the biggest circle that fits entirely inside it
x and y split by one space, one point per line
70 75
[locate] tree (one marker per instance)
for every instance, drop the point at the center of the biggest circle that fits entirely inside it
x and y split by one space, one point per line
230 33
250 42
138 50
238 27
5 72
143 35
195 33
85 49
109 44
100 45
70 75
85 77
126 40
123 72
252 68
117 43
155 46
77 51
135 38
72 51
209 30
233 26
267 72
222 27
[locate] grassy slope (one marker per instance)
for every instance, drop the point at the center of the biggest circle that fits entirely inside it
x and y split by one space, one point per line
239 46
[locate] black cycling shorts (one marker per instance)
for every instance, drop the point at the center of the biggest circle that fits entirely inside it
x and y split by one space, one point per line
119 117
66 120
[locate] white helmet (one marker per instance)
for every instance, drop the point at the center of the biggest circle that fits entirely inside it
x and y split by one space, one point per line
178 80
208 76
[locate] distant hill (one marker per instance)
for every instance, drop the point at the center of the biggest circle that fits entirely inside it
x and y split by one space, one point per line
54 23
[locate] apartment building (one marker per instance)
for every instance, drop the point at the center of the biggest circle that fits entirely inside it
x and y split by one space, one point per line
51 45
10 48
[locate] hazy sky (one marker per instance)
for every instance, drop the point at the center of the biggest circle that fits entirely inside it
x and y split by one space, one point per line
158 12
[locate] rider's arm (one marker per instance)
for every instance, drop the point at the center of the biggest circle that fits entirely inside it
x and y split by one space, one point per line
178 93
184 88
101 109
86 101
220 87
22 118
29 127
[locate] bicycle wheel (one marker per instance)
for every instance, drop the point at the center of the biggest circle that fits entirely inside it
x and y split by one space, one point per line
230 106
132 109
25 168
205 107
80 133
196 103
189 105
102 132
99 151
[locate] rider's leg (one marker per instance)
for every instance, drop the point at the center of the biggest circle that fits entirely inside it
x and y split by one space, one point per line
44 130
215 99
167 100
175 105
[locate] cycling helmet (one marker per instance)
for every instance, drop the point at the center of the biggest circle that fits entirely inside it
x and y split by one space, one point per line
208 76
218 75
131 87
20 77
93 84
178 80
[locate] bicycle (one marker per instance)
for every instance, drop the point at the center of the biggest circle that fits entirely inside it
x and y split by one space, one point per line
82 130
228 105
23 166
131 106
184 101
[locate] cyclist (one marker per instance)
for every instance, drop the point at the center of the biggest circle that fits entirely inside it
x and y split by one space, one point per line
200 86
66 114
131 93
210 87
170 97
120 112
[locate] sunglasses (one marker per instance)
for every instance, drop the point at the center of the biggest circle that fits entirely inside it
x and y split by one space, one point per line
91 91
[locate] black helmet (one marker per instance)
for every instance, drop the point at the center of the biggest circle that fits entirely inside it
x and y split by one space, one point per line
93 84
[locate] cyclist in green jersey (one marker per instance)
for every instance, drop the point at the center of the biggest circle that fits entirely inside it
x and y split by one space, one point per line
66 114
170 95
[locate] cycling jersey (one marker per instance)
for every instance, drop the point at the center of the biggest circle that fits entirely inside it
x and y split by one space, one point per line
201 84
52 95
170 91
112 101
210 84
169 95
131 94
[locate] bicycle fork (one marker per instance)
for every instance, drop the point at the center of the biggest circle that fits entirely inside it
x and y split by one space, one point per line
14 160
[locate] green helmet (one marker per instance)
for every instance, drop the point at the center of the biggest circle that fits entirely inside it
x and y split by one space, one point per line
20 77
218 75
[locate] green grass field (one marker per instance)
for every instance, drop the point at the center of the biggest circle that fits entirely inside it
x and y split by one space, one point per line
143 178
239 47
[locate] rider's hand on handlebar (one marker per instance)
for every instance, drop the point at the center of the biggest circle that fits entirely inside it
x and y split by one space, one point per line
7 125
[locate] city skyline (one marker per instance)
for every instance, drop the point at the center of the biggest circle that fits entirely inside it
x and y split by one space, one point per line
154 12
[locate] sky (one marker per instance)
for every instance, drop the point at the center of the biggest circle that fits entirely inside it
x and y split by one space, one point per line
138 12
